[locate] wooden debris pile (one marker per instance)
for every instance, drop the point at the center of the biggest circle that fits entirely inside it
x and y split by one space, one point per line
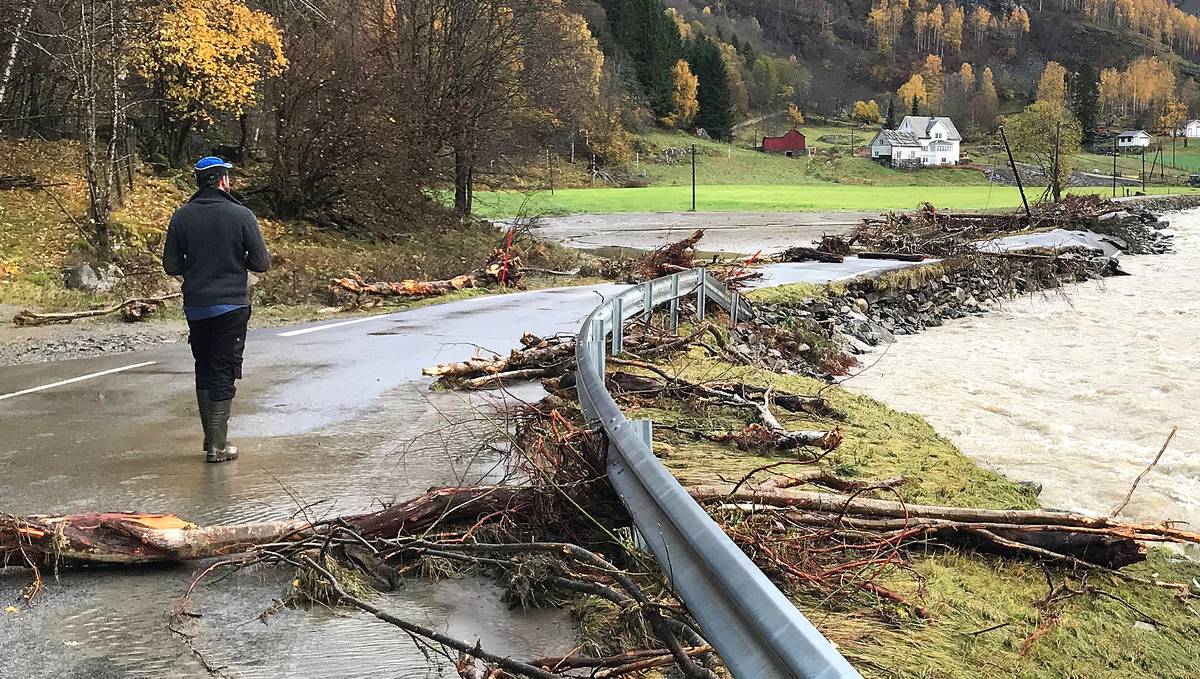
132 310
502 269
676 257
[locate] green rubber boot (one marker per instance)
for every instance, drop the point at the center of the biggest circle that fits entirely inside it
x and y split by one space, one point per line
219 448
205 408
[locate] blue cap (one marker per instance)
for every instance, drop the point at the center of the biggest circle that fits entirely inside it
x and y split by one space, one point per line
210 162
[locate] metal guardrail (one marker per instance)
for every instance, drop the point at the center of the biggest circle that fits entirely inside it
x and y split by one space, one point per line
758 633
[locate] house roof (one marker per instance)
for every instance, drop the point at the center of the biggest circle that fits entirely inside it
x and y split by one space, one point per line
894 138
790 133
923 124
1133 133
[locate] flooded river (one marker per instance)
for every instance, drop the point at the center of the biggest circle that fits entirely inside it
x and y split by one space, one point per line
1077 392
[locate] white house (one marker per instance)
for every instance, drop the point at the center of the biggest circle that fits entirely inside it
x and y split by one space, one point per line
1190 129
924 139
898 148
1133 139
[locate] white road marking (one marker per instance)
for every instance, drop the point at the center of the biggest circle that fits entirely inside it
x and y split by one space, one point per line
75 379
305 331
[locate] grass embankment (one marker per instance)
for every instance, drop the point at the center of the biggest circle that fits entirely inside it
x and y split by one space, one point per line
738 198
1086 637
38 237
740 163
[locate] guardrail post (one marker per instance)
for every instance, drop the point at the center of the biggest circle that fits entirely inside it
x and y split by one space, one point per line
734 305
618 326
597 346
647 299
674 302
701 297
645 431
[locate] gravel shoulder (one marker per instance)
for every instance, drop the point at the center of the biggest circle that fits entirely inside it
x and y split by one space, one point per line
81 339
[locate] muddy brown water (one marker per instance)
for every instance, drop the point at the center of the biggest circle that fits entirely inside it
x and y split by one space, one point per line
1076 391
113 622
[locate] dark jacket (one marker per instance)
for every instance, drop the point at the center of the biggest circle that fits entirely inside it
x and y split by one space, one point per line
212 241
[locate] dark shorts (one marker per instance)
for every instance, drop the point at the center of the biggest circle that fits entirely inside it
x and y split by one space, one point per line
217 345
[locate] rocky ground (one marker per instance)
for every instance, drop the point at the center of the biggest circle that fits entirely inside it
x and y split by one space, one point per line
81 339
869 312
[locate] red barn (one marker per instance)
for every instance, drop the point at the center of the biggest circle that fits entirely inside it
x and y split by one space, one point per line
791 143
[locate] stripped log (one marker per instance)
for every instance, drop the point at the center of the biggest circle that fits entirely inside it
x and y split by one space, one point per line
134 309
1091 539
501 269
406 288
544 354
131 538
127 538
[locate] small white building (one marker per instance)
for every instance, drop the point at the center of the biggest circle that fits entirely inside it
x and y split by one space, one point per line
924 140
1190 129
1134 139
896 148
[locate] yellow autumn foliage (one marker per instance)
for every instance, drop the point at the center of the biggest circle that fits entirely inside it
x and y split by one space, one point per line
207 56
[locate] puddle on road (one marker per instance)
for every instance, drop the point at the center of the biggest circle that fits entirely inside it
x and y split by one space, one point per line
103 624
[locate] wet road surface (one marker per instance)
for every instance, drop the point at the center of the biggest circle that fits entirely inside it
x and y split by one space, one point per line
333 417
725 232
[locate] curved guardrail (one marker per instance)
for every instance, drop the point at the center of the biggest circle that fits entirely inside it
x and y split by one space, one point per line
756 630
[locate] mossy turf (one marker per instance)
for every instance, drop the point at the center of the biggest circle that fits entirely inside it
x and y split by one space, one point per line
1089 636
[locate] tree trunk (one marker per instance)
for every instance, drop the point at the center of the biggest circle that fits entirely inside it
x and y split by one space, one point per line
129 538
13 49
243 137
464 169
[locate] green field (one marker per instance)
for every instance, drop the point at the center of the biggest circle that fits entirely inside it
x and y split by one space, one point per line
765 198
738 163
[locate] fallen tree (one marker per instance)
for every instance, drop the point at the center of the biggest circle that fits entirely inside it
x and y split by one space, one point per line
131 538
135 309
502 269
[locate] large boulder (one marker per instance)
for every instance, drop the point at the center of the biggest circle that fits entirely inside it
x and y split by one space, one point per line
85 277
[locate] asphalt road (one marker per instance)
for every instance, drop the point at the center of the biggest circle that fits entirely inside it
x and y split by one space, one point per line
332 416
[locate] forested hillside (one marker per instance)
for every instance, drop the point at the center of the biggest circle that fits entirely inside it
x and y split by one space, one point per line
380 118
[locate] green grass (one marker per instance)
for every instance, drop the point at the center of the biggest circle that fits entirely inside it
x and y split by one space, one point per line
741 163
764 198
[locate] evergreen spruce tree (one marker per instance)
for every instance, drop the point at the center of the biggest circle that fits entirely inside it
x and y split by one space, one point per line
649 36
914 105
891 114
1085 100
716 102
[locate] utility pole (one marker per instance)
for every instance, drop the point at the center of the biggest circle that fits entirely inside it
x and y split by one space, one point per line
1114 157
1016 173
1143 170
693 177
1055 182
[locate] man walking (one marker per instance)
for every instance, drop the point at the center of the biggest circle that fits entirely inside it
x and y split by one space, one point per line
213 240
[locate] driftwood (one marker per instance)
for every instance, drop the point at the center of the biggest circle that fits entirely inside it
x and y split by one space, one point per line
898 256
547 357
501 269
767 432
1076 538
135 309
129 538
805 254
670 258
538 354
